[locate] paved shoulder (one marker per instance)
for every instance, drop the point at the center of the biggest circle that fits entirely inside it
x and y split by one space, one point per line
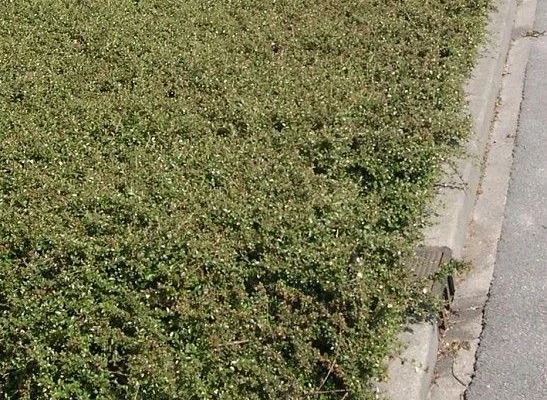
512 356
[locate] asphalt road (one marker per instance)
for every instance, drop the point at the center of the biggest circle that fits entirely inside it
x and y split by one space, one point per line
512 356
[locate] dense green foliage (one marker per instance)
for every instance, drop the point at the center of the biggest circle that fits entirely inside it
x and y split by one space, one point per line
214 199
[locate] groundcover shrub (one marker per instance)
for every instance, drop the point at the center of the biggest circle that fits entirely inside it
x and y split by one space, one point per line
214 200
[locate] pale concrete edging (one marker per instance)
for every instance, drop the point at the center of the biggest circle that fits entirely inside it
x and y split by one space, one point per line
411 373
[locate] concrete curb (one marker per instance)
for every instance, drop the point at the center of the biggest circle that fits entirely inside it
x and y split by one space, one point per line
459 343
457 196
410 374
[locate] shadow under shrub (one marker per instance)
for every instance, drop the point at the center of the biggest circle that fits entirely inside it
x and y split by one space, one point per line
202 200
